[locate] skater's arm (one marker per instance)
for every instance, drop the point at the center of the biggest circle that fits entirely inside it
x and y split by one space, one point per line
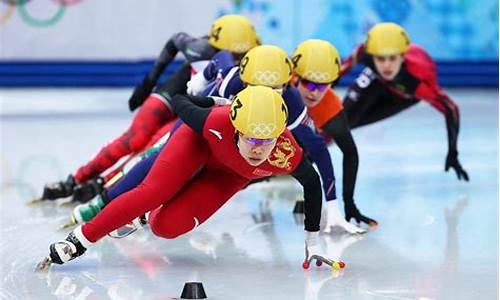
352 60
192 110
311 184
169 51
304 131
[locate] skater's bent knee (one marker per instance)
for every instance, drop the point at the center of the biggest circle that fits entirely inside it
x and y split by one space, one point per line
171 228
166 233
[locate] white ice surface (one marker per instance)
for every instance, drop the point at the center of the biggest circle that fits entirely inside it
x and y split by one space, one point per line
437 239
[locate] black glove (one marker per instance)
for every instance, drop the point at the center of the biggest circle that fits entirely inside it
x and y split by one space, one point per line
141 92
86 191
452 161
60 189
351 211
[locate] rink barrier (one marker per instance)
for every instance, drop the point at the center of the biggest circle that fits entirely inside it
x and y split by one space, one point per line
126 73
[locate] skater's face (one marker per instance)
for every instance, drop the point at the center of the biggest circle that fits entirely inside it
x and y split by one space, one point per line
312 92
255 151
388 66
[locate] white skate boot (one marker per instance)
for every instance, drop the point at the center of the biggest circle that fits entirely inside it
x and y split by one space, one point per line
334 218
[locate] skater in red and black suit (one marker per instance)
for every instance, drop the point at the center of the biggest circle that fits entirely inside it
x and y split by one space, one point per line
233 33
397 76
216 153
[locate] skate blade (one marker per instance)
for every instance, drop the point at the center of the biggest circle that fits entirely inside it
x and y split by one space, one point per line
43 265
122 232
72 222
34 201
66 202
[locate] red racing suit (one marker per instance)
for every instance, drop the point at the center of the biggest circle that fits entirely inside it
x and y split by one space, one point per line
199 170
155 110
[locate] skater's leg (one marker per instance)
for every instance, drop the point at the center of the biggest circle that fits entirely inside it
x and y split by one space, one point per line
204 195
152 115
177 163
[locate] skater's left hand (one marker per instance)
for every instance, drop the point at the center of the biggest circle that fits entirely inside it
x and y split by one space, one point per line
141 92
452 161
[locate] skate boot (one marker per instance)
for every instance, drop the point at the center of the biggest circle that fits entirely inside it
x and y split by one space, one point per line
84 192
60 189
63 251
352 212
85 212
314 252
334 218
128 229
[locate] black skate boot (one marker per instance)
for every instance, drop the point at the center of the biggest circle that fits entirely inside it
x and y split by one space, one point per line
60 189
63 251
84 192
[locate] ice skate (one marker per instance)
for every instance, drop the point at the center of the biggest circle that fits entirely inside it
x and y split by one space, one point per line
63 251
85 212
84 192
55 190
334 218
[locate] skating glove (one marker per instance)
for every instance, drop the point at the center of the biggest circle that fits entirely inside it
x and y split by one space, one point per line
141 92
452 162
351 211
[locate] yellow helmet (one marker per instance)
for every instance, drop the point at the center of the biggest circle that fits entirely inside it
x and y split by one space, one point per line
259 112
317 61
233 33
266 65
386 39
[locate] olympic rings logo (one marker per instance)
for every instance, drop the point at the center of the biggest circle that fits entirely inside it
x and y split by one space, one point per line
267 78
317 76
32 20
261 130
240 47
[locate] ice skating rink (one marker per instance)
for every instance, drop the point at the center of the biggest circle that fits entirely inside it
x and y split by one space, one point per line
437 239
